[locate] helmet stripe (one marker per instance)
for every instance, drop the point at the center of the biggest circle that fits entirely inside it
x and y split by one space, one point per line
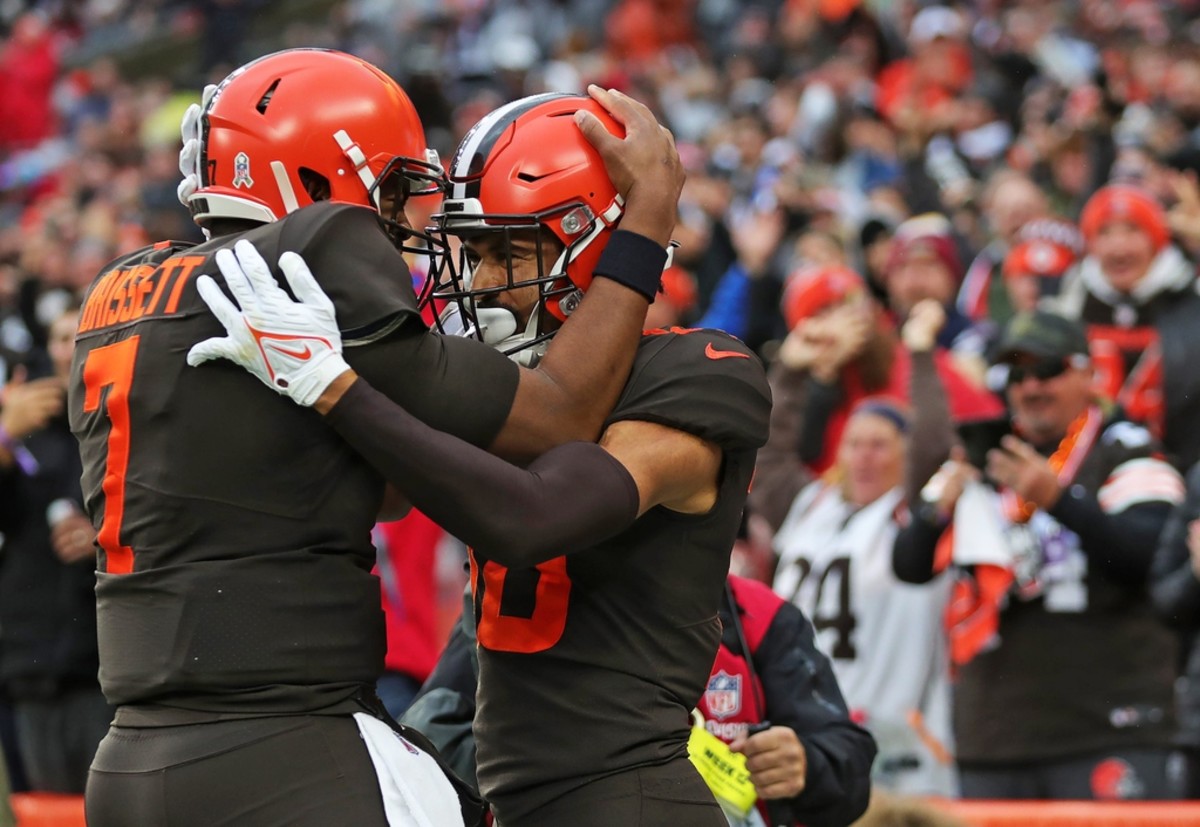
479 141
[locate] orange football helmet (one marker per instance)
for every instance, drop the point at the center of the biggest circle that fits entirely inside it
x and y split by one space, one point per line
306 125
527 166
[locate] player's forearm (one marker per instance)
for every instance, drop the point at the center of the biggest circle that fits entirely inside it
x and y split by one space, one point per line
580 378
516 516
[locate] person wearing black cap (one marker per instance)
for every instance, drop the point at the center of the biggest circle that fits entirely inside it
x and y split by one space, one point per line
1064 674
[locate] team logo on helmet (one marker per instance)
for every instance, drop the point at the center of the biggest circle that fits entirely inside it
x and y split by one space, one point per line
723 697
241 171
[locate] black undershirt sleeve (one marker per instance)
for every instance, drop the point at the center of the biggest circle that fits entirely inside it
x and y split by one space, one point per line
518 517
915 547
1121 545
462 386
820 403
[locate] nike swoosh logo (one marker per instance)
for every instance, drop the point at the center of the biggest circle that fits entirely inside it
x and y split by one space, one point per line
712 353
302 355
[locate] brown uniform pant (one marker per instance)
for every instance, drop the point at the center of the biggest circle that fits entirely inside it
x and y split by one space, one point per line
670 795
261 772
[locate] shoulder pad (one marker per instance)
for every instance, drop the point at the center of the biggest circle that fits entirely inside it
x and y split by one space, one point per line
703 382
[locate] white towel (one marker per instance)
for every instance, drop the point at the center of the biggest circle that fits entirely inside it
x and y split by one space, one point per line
416 793
979 528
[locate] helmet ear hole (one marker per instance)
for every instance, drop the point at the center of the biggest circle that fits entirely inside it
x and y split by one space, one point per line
315 184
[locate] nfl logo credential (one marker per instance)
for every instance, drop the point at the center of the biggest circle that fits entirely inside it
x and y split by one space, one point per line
241 171
724 695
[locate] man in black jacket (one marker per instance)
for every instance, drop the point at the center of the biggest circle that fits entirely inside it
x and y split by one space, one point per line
48 658
810 765
1175 591
1064 673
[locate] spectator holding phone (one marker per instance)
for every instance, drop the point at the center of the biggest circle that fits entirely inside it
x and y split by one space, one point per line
1064 674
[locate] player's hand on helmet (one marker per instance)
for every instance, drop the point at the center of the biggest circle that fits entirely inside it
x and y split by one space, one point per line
191 133
644 166
293 346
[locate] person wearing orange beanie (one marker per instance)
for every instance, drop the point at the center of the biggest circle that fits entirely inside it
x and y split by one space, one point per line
1135 291
812 290
1125 228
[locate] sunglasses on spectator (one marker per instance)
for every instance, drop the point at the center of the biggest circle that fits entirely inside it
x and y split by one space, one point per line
1044 369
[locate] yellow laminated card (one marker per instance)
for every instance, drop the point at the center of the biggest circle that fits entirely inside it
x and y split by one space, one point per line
722 769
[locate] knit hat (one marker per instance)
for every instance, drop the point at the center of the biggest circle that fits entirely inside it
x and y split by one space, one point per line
1044 247
1125 202
812 289
929 233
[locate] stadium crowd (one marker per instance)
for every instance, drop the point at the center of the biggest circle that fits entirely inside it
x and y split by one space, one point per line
886 201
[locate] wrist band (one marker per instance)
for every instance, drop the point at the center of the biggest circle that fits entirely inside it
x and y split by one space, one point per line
19 452
634 261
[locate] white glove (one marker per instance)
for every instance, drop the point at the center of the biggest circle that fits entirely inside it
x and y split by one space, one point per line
189 156
292 346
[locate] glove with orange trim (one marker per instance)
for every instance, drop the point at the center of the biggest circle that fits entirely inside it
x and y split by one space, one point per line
294 347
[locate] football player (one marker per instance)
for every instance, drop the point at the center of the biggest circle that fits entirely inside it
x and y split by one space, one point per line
597 570
239 626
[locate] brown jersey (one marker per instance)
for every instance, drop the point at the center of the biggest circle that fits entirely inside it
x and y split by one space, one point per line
234 526
591 662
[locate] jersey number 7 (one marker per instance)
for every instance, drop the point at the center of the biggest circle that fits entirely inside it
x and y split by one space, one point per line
111 367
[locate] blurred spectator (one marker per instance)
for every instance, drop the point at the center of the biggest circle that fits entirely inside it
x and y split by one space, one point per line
924 264
1136 294
1063 673
1010 201
875 248
406 563
224 27
48 660
675 301
923 85
841 349
885 638
1043 252
28 70
1175 589
751 279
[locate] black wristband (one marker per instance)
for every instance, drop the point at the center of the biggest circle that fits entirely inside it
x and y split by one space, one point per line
634 261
